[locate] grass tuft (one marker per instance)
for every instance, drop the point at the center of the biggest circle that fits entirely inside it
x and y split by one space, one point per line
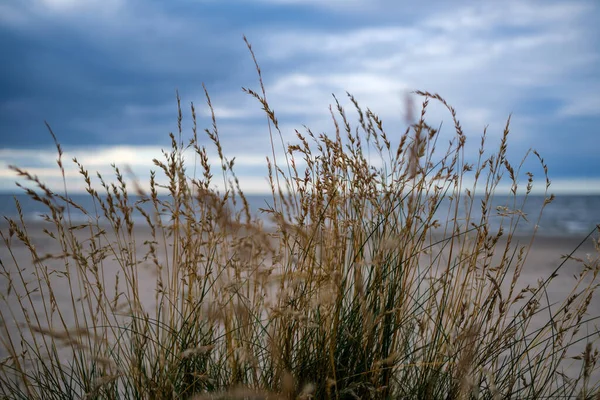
357 290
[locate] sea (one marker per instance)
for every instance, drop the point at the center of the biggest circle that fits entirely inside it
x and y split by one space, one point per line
567 216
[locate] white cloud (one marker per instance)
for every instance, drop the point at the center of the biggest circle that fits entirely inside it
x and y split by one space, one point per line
483 59
287 43
582 108
228 112
71 7
467 54
250 169
575 185
27 14
338 4
138 158
583 103
485 16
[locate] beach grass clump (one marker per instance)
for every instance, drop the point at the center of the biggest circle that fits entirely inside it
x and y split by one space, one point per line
356 289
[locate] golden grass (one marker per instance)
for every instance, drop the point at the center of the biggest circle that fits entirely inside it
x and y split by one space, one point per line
357 292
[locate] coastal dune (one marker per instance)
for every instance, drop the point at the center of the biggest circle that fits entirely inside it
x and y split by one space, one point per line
53 313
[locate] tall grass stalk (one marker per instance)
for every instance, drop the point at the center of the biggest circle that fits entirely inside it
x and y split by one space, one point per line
356 291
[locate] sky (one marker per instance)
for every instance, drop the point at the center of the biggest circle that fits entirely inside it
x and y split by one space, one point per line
104 75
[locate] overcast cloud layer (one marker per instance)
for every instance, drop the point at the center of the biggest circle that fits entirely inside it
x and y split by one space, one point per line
104 74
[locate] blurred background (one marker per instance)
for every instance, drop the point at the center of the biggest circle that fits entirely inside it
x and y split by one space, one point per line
104 74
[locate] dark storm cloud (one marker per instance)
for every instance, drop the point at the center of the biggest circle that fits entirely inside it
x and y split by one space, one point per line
104 73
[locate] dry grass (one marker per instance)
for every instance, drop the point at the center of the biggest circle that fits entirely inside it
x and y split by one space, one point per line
358 292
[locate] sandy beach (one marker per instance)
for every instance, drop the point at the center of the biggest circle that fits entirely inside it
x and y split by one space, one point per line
542 260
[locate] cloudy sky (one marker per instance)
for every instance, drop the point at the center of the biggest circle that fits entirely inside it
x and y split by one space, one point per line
103 74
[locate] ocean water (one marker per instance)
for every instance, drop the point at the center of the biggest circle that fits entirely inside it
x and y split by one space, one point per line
566 216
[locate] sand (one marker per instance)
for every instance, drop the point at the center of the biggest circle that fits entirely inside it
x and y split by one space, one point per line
543 258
